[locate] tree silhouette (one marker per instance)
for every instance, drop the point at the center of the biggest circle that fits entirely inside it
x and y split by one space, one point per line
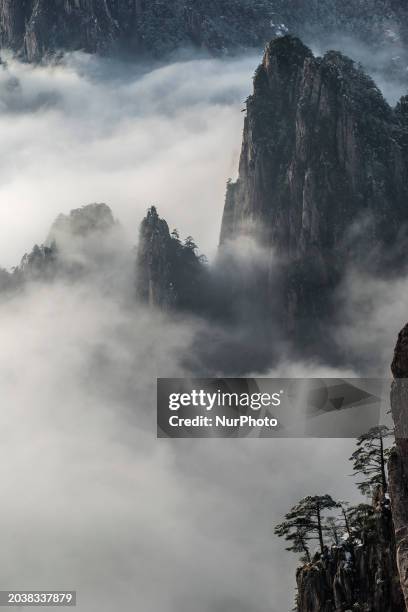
362 521
370 459
335 529
305 522
345 509
190 244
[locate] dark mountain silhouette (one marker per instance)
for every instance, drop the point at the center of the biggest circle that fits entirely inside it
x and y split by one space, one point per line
38 28
321 179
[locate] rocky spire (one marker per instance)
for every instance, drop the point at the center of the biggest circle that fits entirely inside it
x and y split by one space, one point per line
168 272
154 275
321 175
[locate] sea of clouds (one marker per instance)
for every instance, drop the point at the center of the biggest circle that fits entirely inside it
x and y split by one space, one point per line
91 500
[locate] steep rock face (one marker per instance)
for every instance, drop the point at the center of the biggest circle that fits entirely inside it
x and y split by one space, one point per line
158 27
37 28
354 577
12 23
322 174
155 284
398 463
168 272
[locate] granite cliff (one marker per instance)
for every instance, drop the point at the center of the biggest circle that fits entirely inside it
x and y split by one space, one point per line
359 575
37 28
377 578
355 566
398 463
321 177
169 273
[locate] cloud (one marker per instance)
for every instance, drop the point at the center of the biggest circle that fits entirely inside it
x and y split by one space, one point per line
92 130
91 499
93 502
374 310
386 63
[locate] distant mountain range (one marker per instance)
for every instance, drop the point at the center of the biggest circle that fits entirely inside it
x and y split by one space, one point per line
38 28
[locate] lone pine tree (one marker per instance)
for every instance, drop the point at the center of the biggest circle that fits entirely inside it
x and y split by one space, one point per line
370 460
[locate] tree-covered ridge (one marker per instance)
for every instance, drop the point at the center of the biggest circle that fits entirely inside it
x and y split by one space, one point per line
354 568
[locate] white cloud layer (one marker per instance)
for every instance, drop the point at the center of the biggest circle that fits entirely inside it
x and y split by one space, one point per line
91 500
99 131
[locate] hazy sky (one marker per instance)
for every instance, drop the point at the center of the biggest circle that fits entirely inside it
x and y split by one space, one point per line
91 499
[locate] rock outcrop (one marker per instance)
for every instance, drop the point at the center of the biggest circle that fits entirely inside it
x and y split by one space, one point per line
154 274
169 273
358 575
322 175
82 222
398 463
76 244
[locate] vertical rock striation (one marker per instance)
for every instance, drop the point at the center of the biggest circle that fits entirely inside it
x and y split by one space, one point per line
354 577
37 28
168 272
322 174
154 276
398 463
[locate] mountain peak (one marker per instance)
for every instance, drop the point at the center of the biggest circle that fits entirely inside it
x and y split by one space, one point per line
81 222
289 48
169 272
321 175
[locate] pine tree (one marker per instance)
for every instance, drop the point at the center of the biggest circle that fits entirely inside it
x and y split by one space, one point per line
370 459
176 236
345 508
335 529
190 244
299 538
305 521
361 519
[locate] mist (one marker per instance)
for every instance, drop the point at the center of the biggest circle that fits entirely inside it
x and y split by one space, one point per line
92 130
92 501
